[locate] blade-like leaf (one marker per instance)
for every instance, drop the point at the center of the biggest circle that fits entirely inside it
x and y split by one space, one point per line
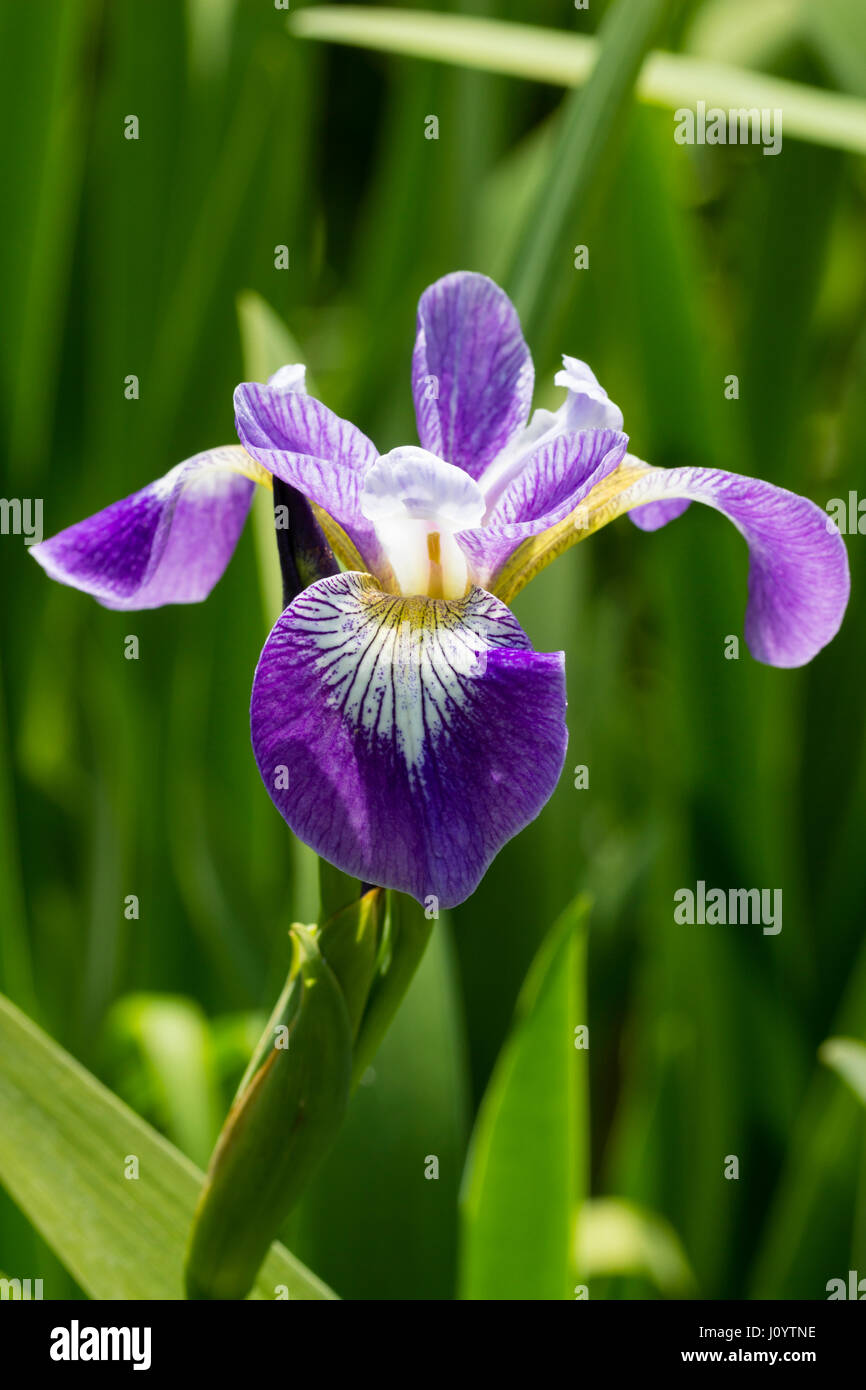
526 1171
590 119
547 55
66 1145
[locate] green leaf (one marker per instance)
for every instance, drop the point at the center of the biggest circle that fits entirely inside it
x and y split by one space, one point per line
285 1117
400 1241
589 121
266 341
847 1058
64 1144
547 55
619 1237
16 964
527 1168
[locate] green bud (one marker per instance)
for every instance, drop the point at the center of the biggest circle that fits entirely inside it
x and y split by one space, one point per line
351 944
284 1118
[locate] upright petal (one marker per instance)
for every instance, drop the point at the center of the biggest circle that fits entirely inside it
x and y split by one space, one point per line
325 457
472 372
586 407
551 484
392 733
167 543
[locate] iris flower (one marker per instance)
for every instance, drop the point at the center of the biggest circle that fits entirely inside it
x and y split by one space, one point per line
401 721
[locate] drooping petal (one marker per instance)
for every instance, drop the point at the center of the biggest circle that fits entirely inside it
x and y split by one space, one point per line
655 515
167 543
406 739
798 566
551 484
325 457
472 372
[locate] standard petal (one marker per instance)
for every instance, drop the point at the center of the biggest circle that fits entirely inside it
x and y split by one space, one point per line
303 442
550 485
586 407
168 543
392 733
472 372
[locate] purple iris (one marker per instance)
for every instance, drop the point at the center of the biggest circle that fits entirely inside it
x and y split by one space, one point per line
401 721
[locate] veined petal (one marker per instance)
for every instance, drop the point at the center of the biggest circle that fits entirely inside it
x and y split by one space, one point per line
416 485
392 733
798 566
655 515
325 457
167 543
586 407
549 486
472 372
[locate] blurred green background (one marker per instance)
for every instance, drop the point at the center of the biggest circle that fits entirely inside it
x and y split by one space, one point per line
126 777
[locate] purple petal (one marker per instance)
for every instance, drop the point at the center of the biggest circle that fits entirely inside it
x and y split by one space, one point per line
168 543
551 484
798 571
657 514
587 405
472 373
325 457
392 733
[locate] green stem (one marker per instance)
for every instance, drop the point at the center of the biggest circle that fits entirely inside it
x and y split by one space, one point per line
408 932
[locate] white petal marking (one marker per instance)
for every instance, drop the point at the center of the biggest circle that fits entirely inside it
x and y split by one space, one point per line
399 668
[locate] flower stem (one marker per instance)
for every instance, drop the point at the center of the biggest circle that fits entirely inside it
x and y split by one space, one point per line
347 980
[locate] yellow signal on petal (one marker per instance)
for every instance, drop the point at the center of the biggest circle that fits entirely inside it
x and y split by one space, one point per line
604 503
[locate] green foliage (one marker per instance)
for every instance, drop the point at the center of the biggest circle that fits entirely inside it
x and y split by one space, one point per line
527 1168
108 1193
